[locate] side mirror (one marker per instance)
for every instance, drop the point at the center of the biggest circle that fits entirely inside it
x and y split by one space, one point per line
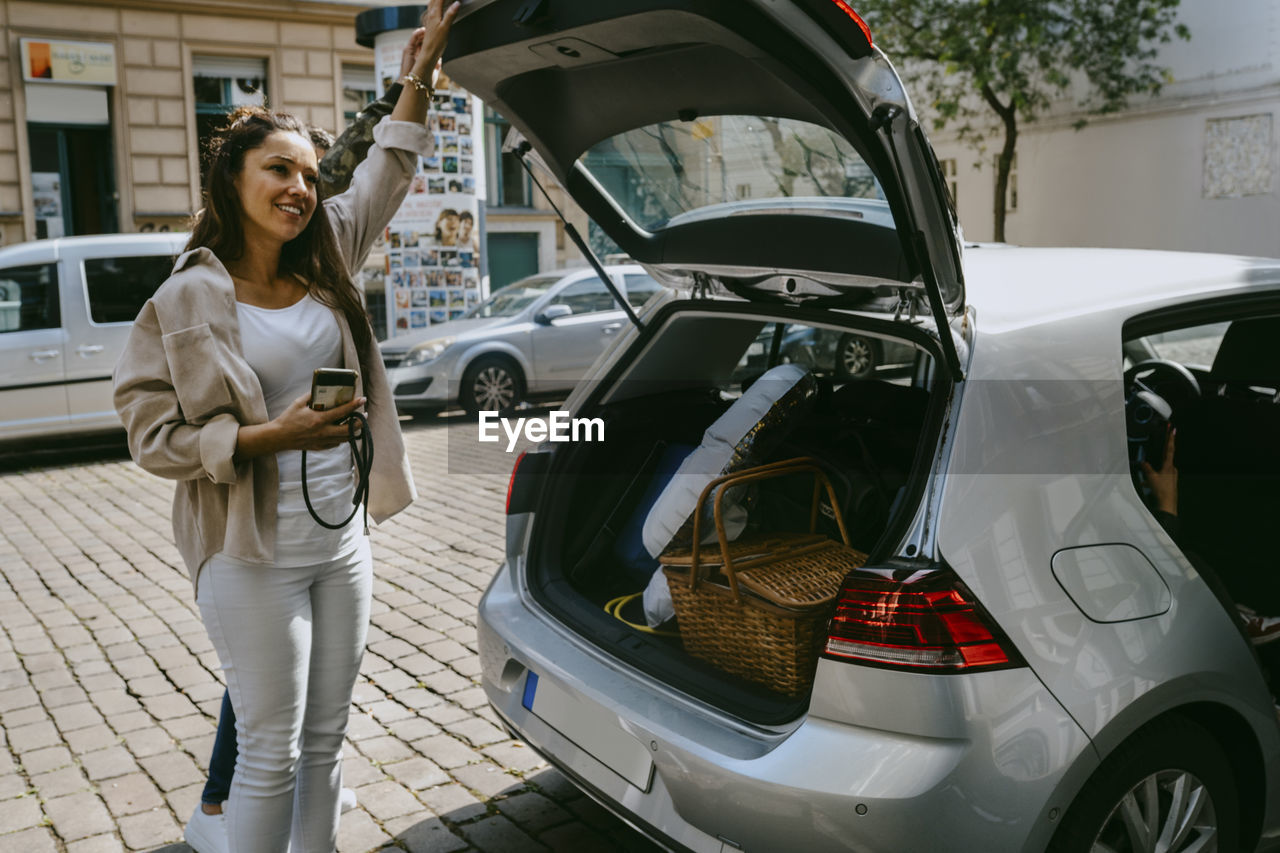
552 312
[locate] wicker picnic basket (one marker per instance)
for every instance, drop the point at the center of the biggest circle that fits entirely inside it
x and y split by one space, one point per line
759 608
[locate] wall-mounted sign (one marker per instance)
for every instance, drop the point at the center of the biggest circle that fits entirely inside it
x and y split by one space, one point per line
82 62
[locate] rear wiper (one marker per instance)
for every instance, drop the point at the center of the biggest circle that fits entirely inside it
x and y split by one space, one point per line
519 146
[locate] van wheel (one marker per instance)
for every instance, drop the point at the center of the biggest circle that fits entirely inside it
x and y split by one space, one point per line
1170 788
491 384
855 357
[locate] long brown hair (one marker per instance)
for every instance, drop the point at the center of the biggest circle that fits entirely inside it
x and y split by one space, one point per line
313 256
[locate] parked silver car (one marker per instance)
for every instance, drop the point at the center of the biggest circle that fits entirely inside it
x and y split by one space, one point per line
531 339
1030 659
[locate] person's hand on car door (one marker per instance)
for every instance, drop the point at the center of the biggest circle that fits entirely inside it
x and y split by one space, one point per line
1164 482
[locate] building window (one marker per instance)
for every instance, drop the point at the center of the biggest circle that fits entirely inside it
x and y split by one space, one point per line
72 179
950 178
508 184
358 90
742 191
221 84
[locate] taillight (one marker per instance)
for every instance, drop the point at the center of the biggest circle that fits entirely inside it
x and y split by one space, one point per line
515 469
835 16
527 478
857 19
924 620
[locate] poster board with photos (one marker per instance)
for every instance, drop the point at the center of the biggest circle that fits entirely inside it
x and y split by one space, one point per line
428 259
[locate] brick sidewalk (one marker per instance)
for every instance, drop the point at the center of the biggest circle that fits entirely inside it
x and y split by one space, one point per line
109 688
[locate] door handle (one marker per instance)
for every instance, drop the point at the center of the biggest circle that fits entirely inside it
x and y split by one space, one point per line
90 349
44 355
610 329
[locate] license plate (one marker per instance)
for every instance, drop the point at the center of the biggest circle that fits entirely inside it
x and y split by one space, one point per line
591 728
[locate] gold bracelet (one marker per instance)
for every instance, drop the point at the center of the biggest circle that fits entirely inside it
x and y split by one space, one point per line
416 81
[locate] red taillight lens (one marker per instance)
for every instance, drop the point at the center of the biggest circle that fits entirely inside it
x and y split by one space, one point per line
857 19
515 469
926 621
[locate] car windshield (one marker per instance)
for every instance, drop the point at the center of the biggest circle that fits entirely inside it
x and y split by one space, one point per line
659 172
514 298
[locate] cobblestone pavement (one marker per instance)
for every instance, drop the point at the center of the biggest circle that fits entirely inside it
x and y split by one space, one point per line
109 687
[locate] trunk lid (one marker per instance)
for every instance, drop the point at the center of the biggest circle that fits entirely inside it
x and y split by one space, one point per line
746 140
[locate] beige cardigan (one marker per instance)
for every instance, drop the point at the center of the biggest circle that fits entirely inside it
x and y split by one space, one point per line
183 387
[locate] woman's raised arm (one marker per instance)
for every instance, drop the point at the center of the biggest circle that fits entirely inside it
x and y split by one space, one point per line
415 97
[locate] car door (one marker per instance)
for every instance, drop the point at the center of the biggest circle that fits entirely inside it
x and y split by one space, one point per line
33 401
565 347
115 281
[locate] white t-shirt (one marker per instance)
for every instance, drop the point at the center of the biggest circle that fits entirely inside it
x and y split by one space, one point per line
284 346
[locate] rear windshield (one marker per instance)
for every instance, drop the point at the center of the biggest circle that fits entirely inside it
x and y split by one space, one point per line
666 171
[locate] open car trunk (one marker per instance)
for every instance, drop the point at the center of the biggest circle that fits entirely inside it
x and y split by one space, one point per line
874 437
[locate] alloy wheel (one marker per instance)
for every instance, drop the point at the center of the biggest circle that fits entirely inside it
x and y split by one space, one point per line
1170 811
494 389
855 356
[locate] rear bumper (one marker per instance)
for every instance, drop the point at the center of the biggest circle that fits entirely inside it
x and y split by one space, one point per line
718 784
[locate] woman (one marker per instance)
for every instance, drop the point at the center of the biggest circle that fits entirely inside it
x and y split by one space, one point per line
213 390
447 227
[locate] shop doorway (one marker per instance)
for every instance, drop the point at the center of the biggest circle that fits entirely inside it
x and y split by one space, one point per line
512 256
72 180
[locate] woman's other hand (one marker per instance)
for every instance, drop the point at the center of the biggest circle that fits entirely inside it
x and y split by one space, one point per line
1164 482
298 427
411 51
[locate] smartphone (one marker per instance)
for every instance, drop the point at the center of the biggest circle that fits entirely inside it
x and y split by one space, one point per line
332 386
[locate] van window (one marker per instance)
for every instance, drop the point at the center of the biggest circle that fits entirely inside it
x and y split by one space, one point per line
118 287
29 298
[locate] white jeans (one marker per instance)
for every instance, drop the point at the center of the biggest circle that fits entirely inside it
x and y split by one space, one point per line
290 641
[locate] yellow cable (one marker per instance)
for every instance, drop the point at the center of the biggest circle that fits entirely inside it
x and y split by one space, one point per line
614 609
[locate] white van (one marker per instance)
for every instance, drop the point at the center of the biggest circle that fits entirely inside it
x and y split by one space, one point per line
66 307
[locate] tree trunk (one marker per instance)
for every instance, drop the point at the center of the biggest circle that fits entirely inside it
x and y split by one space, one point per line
1004 163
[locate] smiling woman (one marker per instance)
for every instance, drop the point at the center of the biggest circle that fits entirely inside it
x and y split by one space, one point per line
213 388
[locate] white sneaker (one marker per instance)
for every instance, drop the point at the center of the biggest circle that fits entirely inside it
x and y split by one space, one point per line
206 833
346 801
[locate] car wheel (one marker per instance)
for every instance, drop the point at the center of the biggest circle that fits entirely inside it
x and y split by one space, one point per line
1170 788
491 384
855 357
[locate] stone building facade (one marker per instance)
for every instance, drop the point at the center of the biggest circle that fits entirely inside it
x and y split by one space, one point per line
119 151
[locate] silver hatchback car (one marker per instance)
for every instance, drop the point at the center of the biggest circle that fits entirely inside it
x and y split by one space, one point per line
532 339
1047 646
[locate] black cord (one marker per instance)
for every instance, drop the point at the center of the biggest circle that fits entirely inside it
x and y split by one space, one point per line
361 444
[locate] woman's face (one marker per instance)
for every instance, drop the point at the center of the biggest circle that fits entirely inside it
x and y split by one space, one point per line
449 227
277 187
464 230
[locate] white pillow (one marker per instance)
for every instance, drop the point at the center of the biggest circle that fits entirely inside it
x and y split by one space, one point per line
730 443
